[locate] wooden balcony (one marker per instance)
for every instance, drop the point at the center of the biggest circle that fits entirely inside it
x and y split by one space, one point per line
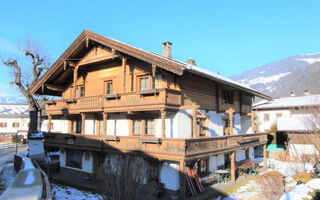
119 102
161 148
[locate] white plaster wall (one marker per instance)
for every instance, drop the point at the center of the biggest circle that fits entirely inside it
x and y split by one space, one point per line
266 125
63 157
64 126
182 124
251 153
213 163
237 123
87 165
89 125
246 124
240 155
23 124
169 175
297 150
118 125
215 124
220 160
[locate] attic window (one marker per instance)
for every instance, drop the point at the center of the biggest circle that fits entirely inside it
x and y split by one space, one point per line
227 96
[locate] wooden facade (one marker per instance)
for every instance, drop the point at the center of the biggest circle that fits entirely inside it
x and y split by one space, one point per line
98 76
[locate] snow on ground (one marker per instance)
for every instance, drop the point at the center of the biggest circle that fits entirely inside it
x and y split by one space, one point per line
264 80
69 193
297 192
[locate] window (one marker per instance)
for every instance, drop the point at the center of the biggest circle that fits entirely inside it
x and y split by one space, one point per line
82 91
279 115
137 127
76 126
149 127
77 92
227 96
74 158
202 166
266 117
157 82
3 124
201 126
15 125
109 87
144 83
101 127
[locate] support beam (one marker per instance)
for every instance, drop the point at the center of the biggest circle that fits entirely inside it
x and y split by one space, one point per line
265 156
69 126
49 123
230 112
232 167
252 121
194 122
105 118
83 122
124 66
163 123
58 88
75 78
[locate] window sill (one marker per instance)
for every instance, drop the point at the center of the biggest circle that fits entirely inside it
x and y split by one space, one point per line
70 100
111 96
150 140
111 138
148 92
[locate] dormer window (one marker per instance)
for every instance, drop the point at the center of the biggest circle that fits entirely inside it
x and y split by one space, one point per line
144 83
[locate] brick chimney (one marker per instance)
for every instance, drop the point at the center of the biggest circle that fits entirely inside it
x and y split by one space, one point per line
166 47
190 61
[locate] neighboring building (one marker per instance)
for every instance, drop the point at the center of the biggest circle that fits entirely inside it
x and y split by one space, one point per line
295 118
118 98
13 118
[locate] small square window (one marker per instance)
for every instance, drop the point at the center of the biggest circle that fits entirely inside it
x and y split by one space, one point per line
279 115
266 117
157 82
144 83
82 91
149 127
15 125
109 87
137 127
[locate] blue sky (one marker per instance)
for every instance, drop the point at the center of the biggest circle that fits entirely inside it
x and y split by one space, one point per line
229 37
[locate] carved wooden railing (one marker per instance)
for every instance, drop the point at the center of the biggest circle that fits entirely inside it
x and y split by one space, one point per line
152 145
117 101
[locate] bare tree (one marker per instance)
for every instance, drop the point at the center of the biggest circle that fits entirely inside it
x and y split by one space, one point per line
23 79
124 177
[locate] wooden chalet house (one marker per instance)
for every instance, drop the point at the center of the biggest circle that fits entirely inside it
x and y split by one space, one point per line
117 97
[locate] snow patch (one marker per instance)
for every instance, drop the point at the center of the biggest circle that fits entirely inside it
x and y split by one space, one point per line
29 178
264 80
310 60
28 163
66 192
262 72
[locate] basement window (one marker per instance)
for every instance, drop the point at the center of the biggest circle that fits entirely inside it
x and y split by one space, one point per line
74 158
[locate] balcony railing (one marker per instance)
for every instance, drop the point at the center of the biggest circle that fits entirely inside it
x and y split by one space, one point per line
191 148
118 101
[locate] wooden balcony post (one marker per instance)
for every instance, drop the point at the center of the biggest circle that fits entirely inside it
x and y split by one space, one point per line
182 168
163 123
194 122
230 112
83 122
75 78
69 126
252 121
49 123
105 116
265 156
124 66
232 167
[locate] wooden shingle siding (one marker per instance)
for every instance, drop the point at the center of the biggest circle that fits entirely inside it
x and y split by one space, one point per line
199 90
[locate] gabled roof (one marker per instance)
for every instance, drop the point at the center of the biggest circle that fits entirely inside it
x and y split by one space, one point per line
289 102
78 48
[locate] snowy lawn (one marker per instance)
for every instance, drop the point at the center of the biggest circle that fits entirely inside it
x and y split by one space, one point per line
251 189
69 193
